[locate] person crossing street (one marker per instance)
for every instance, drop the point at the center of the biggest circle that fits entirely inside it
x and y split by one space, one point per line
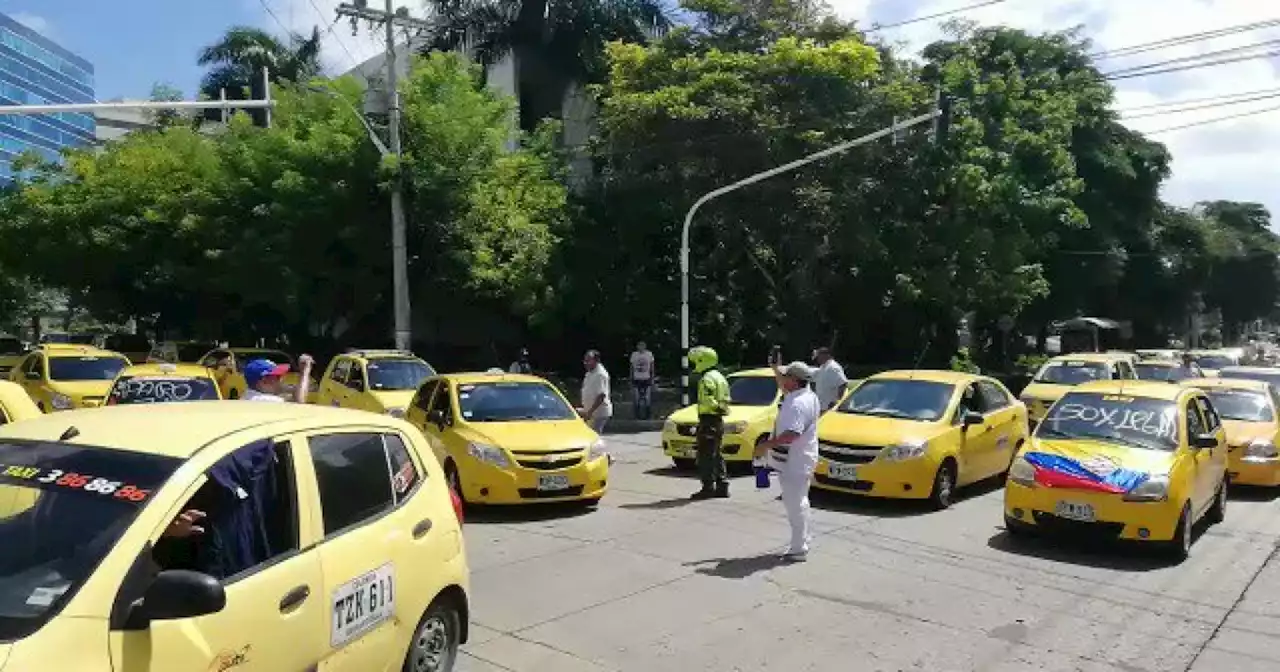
713 405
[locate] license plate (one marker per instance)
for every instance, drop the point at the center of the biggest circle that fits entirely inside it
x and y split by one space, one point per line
682 449
1075 511
553 482
843 472
361 604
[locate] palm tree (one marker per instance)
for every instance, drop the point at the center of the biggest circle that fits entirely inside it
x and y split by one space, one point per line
556 43
236 61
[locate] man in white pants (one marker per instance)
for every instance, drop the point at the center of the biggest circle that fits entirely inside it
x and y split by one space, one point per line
793 451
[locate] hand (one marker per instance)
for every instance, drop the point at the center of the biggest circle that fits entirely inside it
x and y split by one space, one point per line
582 412
185 525
760 451
305 363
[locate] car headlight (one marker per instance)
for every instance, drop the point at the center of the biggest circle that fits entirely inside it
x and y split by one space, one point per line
396 412
735 427
669 427
486 453
909 450
596 451
1261 448
61 402
1022 473
1154 489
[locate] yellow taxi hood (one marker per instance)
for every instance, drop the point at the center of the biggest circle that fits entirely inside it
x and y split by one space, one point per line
1089 453
868 430
1046 391
689 414
1242 433
393 398
4 653
16 403
532 435
81 388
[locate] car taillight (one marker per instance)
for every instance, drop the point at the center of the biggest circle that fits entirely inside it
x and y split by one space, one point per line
457 505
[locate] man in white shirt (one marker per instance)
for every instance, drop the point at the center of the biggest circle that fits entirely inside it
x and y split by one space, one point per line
642 380
793 452
830 380
597 407
265 380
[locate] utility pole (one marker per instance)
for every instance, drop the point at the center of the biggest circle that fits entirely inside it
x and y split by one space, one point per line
390 19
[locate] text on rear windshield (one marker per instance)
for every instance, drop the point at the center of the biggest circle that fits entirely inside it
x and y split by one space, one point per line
1144 422
159 389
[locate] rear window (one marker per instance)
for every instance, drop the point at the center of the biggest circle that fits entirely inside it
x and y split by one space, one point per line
161 389
87 367
1272 378
397 374
1071 372
1171 374
752 391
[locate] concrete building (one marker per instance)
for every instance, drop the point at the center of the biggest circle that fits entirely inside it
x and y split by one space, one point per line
35 70
115 124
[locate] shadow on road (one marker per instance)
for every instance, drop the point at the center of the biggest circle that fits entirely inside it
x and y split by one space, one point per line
659 505
480 514
894 508
737 568
1253 493
1123 556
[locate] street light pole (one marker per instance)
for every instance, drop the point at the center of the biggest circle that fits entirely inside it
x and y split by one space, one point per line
747 181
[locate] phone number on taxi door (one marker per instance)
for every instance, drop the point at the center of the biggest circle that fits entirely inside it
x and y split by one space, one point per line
75 481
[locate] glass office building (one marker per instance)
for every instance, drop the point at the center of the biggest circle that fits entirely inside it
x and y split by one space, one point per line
34 70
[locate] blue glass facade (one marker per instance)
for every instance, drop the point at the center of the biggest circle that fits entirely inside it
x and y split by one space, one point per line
36 71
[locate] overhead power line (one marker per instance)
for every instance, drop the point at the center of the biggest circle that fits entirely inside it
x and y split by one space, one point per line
1192 66
1196 57
1179 40
1216 120
354 63
1202 99
930 17
1203 106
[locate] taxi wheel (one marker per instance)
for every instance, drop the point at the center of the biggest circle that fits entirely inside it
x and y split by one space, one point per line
685 463
454 480
1179 548
434 647
1218 512
944 486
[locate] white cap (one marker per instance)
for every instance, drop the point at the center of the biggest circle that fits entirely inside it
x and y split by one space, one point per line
797 370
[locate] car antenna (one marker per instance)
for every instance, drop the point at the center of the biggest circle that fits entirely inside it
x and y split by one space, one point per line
71 433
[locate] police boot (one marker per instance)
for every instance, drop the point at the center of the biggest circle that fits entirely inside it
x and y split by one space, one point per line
722 490
707 492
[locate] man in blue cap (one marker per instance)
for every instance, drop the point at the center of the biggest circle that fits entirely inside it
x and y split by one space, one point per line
265 380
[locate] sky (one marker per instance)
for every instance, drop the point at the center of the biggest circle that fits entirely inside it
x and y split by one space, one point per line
135 44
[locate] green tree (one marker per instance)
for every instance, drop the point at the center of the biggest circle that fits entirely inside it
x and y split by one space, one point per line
236 62
165 93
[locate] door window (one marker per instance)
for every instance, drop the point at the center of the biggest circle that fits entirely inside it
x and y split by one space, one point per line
354 477
423 398
4 418
404 473
212 358
34 365
994 398
443 400
1212 421
970 402
340 371
1195 424
356 379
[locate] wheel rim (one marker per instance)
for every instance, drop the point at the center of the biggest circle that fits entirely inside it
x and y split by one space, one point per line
431 645
944 486
1222 499
1186 532
454 481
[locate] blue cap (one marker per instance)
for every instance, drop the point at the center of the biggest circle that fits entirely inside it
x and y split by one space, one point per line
258 369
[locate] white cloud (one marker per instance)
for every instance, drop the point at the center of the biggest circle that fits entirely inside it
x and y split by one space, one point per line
340 50
1231 159
34 22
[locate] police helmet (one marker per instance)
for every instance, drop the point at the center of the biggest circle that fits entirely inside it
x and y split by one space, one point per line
702 358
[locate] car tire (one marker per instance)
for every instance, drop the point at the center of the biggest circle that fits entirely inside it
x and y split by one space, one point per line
454 479
1179 548
1218 512
685 463
1017 529
435 641
944 486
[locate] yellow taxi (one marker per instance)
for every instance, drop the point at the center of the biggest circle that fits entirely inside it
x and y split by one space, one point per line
380 381
1166 370
60 376
1157 353
1132 460
919 435
1212 361
1250 412
233 383
15 405
507 438
12 350
1058 375
210 536
753 408
1264 373
163 382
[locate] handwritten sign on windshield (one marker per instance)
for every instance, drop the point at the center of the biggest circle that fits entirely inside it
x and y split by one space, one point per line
1116 415
159 390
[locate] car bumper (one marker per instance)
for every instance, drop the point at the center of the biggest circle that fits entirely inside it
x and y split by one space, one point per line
1113 518
1254 471
734 447
483 483
909 479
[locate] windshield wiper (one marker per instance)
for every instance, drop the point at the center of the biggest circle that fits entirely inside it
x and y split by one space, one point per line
884 413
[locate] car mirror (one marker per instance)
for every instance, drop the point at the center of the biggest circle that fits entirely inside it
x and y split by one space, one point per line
33 375
972 418
179 593
1204 441
436 417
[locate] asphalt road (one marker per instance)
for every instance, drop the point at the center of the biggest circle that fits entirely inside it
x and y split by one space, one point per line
650 581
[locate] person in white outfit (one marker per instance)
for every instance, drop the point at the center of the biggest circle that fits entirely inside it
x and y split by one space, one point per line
793 451
829 381
597 407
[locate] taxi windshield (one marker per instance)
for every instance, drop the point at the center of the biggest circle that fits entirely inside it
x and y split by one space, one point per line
88 367
157 389
243 357
1214 361
62 509
753 391
1266 377
1071 372
512 402
1242 405
397 374
1136 422
1166 373
921 400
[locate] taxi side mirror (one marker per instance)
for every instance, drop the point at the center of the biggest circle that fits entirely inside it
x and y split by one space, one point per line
972 418
33 375
179 593
1204 441
436 417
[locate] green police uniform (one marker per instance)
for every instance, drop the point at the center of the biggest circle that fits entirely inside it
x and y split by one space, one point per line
713 405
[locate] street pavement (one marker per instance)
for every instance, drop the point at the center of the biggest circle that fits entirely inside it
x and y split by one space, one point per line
649 581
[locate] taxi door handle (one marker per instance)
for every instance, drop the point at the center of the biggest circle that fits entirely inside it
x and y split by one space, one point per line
422 528
294 598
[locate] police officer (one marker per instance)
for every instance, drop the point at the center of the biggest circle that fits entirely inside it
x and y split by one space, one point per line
713 405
